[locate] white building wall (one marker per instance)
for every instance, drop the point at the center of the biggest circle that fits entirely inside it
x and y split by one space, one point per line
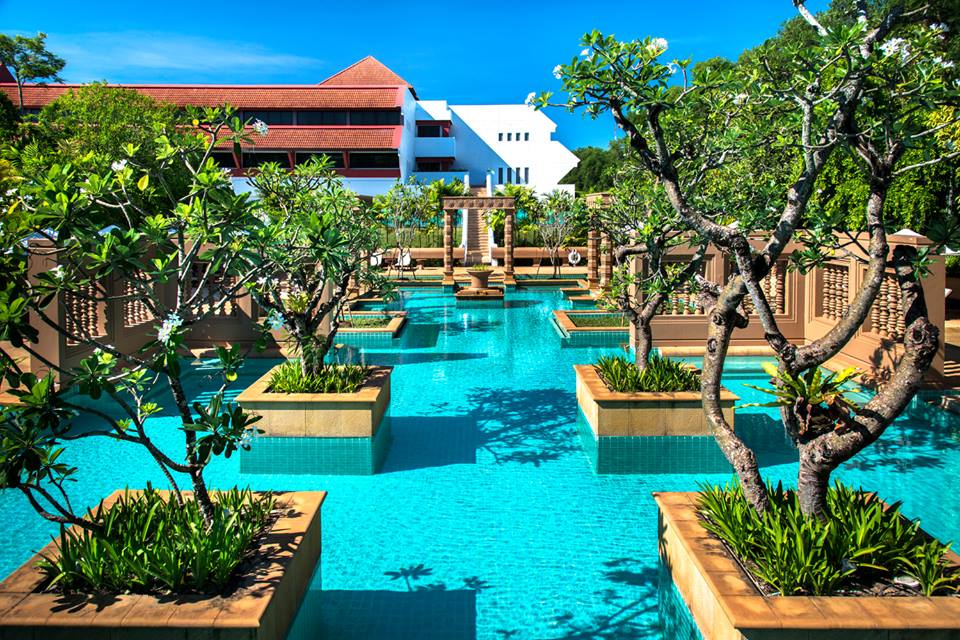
478 130
407 157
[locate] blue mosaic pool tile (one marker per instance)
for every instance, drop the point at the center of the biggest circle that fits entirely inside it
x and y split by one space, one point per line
328 456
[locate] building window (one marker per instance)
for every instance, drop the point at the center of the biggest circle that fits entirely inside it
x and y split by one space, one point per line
386 160
430 165
526 175
500 173
378 117
321 117
518 175
509 175
225 159
270 117
518 136
509 137
260 158
335 157
429 131
526 136
500 137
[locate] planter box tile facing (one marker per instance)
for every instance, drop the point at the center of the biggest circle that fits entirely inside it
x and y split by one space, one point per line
322 415
643 414
260 608
726 605
319 433
647 432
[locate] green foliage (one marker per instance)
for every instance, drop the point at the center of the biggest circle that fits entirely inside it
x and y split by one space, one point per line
148 543
342 378
317 237
596 168
821 402
368 322
858 543
660 375
599 320
28 59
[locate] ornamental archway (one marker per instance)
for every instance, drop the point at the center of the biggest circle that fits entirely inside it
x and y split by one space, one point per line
479 203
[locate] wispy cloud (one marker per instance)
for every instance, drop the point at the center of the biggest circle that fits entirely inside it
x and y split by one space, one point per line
131 55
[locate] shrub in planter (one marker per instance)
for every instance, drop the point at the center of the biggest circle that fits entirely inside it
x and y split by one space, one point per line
148 543
860 546
660 375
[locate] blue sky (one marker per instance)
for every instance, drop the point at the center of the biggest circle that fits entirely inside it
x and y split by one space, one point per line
464 52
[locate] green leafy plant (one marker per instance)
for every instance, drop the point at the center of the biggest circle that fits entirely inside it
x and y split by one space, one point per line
148 543
343 378
860 542
480 267
367 322
598 320
660 375
820 400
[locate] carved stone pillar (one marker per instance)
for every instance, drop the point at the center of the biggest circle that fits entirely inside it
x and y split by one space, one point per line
508 219
593 251
606 260
448 246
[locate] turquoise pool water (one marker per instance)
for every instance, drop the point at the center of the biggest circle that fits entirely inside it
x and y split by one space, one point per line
487 519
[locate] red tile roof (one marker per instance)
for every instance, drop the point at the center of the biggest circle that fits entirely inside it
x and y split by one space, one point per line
240 96
326 138
368 72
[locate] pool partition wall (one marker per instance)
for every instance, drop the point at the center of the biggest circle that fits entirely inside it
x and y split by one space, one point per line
319 433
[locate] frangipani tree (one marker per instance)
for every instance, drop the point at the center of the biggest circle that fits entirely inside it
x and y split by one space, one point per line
859 78
181 264
316 244
640 223
555 217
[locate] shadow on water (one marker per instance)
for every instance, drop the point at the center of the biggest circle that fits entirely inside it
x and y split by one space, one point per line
521 304
629 606
428 609
426 441
530 426
908 447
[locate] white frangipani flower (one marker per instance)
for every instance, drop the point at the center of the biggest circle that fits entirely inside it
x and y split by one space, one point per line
260 127
558 71
658 46
586 53
673 67
168 327
530 98
895 46
119 165
57 272
740 98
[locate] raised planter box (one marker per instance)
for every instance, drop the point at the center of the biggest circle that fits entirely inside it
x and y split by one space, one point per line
397 320
644 414
321 415
726 605
260 608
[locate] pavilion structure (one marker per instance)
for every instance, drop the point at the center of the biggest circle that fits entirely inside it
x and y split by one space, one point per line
480 203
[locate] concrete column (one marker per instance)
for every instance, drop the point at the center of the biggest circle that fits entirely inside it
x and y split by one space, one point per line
448 246
593 249
508 219
606 260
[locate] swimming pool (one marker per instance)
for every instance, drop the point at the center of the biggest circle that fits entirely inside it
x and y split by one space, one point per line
487 519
